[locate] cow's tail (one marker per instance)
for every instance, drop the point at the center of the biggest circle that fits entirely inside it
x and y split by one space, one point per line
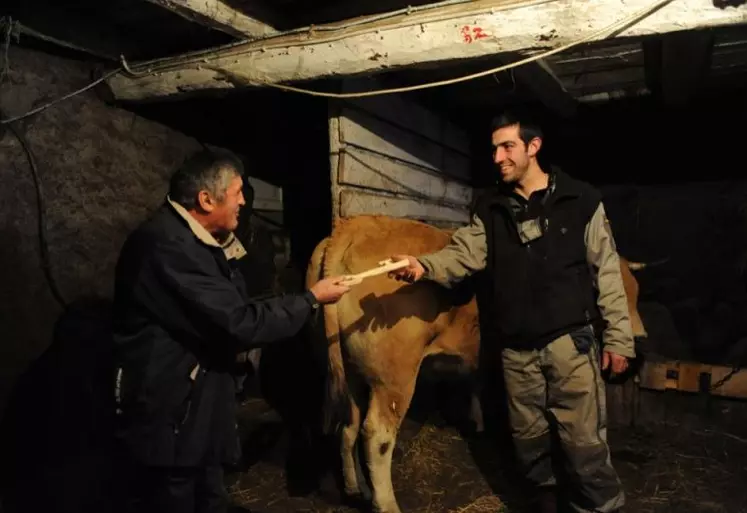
337 401
336 407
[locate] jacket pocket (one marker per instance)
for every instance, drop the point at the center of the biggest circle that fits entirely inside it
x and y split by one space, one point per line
583 339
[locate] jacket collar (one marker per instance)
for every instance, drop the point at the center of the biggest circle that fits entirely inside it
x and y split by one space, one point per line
564 184
232 247
560 185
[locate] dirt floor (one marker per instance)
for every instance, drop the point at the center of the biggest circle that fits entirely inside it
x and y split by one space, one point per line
683 463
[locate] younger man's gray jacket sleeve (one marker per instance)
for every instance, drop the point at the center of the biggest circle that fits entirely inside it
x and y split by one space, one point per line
465 255
605 265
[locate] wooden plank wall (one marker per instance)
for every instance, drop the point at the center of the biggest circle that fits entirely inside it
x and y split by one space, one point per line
266 239
391 156
267 196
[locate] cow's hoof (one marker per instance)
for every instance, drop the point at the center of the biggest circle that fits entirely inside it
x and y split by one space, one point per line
363 493
357 501
390 509
470 430
238 509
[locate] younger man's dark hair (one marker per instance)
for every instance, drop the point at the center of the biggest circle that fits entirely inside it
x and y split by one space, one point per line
529 128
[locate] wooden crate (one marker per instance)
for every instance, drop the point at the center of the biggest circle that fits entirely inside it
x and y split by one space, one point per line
693 377
669 390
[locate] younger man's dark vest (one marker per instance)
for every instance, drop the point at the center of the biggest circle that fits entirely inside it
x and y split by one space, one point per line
542 285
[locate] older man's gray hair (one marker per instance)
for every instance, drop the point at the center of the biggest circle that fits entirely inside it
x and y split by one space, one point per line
208 170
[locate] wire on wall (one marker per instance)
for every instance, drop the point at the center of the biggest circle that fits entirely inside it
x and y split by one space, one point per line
605 32
42 219
58 100
9 29
174 63
337 31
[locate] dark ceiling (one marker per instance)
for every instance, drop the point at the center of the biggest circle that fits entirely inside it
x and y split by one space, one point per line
630 70
305 12
136 29
142 30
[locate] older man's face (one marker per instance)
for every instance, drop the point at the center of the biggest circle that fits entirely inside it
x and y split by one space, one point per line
225 215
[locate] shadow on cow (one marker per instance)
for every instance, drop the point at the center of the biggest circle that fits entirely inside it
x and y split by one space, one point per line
385 310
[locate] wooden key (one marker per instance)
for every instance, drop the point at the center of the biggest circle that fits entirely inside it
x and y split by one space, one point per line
385 266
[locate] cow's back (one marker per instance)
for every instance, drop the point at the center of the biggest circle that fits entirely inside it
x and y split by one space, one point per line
385 325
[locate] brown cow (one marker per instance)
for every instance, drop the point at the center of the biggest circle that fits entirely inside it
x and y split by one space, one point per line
631 291
378 335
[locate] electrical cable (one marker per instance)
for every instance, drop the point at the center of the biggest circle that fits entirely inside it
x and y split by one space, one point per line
252 43
23 29
65 97
598 34
42 219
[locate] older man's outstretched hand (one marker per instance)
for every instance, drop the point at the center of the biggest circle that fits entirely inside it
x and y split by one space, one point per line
330 290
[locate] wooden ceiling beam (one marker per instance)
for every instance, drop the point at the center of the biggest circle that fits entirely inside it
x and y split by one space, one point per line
448 33
218 15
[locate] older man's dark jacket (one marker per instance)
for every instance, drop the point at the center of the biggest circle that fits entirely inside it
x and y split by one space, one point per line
181 315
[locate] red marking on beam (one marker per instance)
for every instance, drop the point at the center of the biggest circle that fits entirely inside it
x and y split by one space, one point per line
471 34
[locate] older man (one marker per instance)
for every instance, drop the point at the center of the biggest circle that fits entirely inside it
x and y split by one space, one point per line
181 317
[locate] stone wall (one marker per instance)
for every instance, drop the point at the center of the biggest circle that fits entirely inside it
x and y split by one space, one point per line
102 171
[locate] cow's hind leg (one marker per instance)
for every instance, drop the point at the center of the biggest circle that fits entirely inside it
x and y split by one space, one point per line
475 408
352 475
386 409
